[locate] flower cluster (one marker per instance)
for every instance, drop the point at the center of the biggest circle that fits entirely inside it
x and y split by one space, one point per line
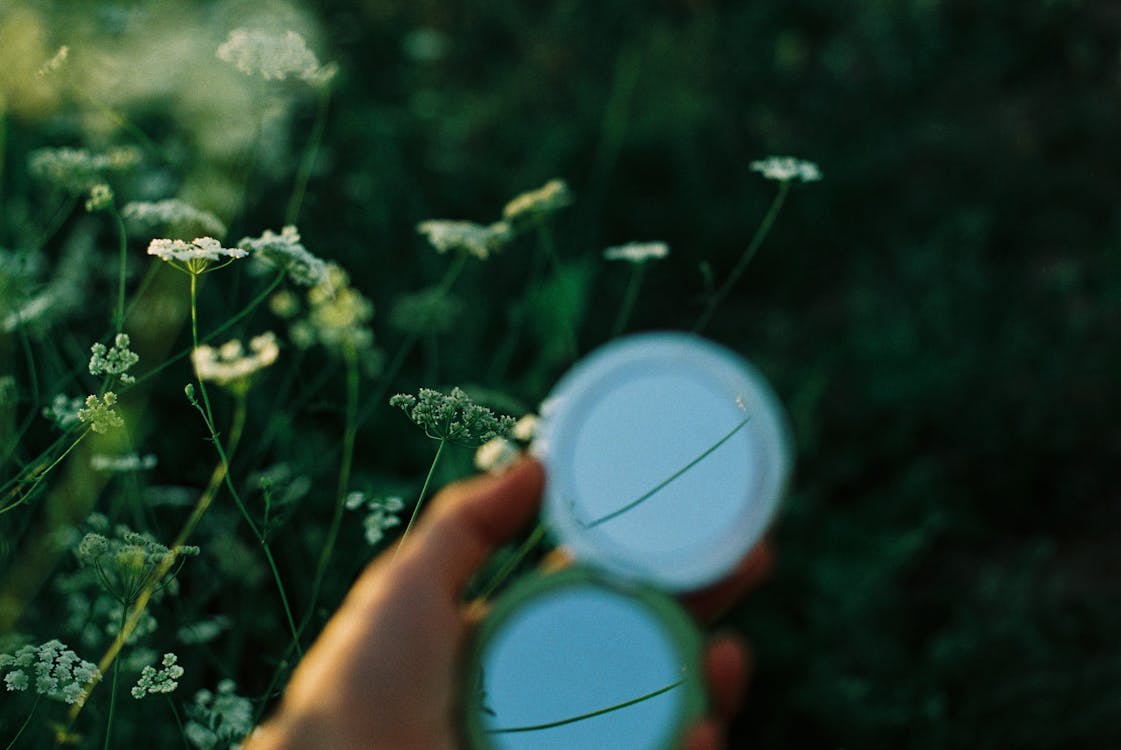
466 236
193 257
115 360
273 56
63 411
787 168
100 198
77 169
158 680
99 413
452 417
430 311
380 514
218 720
122 464
536 204
229 365
203 631
173 212
637 252
498 453
54 670
285 251
128 562
338 315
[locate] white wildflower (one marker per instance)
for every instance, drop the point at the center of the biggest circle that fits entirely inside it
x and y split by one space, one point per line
55 63
637 252
525 428
787 168
114 361
285 251
474 239
496 455
163 679
54 670
218 720
338 315
203 631
230 365
534 204
77 169
193 257
122 464
173 212
273 56
63 411
99 413
381 514
101 198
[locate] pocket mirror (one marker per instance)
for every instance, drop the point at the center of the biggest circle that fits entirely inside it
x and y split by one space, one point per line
666 458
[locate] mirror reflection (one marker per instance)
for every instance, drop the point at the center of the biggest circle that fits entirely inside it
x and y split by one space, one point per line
667 456
584 666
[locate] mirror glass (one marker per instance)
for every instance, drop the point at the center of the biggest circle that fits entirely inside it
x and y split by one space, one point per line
568 661
666 458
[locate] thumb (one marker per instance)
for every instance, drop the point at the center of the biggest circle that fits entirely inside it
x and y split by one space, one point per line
469 519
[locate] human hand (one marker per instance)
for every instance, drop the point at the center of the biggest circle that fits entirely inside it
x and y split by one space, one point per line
383 673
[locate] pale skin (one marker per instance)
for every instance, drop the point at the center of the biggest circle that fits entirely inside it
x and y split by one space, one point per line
383 674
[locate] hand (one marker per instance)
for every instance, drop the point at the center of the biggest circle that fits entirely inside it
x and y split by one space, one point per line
383 673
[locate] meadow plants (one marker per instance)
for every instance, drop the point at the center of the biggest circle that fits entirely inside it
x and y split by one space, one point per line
167 394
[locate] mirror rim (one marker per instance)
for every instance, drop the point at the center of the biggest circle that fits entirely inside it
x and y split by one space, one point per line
681 632
720 365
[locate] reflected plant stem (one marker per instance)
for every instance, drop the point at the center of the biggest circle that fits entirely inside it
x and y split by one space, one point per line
672 477
745 259
629 298
511 565
590 715
420 498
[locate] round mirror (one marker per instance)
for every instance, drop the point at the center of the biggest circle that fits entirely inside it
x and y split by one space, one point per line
570 660
666 458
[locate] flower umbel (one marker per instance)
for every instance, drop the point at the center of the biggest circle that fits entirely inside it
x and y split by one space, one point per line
158 680
535 204
218 720
99 413
474 239
787 168
285 251
637 252
173 212
54 670
230 366
453 417
194 257
273 56
127 562
380 514
115 360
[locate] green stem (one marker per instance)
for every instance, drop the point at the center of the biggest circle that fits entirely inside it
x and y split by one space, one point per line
629 298
112 700
307 162
511 565
420 497
658 487
589 715
119 318
178 723
349 435
23 498
745 259
25 723
252 305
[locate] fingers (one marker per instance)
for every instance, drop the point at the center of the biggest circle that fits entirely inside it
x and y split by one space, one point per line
708 604
727 666
468 520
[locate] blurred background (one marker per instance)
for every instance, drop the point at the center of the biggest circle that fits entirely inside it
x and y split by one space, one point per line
940 313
